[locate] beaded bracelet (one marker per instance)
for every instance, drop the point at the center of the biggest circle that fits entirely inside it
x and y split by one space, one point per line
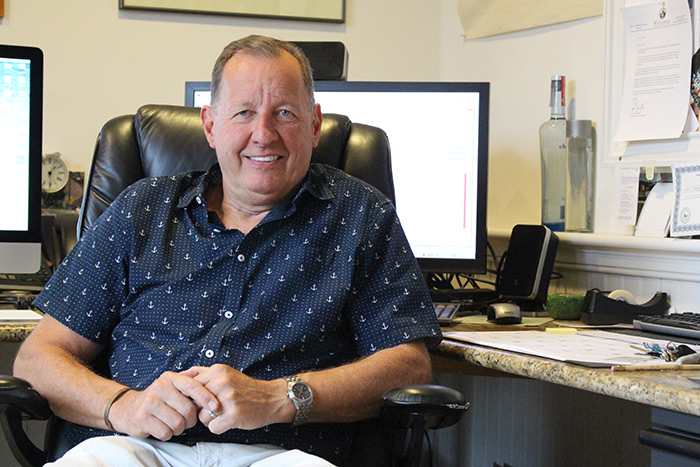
114 398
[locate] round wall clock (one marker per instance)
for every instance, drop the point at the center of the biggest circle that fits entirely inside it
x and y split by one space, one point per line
54 180
54 173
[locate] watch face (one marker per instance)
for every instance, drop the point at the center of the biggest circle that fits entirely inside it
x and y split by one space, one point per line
301 391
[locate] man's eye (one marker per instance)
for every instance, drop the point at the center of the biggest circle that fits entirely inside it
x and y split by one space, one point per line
285 113
242 113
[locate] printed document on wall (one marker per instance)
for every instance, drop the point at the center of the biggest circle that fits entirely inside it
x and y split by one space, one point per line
685 217
658 53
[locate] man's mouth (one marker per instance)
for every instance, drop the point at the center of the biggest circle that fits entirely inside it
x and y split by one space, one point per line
264 158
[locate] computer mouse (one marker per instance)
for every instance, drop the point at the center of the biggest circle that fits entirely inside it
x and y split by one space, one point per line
504 313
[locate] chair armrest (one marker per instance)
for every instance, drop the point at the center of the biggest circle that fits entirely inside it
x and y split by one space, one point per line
432 406
16 392
19 401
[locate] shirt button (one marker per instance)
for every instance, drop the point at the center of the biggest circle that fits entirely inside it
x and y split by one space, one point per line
241 257
228 314
209 353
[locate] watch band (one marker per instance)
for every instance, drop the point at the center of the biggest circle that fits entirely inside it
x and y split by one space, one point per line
301 396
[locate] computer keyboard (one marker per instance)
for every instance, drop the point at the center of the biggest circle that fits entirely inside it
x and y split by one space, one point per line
675 324
446 311
32 282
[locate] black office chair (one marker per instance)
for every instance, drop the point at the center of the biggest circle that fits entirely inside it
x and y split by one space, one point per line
166 140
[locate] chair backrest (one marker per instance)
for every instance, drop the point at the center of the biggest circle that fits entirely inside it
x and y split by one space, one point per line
167 140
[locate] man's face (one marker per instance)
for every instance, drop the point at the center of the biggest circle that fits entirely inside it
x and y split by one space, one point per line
263 128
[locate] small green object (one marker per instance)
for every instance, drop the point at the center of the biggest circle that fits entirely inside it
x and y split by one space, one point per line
565 306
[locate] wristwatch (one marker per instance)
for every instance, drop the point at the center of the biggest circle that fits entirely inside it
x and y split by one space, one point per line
301 396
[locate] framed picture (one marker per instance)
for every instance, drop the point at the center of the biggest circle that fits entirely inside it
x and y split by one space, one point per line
306 10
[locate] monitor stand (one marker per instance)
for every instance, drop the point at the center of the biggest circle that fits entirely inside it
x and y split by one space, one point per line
20 258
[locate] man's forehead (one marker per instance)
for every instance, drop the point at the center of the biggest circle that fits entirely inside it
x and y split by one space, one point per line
247 73
245 59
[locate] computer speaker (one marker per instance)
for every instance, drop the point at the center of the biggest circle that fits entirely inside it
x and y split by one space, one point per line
527 266
329 60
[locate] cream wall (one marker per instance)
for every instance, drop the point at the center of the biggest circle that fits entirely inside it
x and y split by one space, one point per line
102 62
519 66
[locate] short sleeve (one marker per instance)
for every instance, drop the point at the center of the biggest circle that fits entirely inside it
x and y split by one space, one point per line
390 304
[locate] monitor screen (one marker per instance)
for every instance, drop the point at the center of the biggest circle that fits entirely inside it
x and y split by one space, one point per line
197 93
438 134
21 87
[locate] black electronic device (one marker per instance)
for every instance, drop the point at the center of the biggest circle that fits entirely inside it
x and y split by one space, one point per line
21 100
686 324
442 204
527 266
604 308
329 60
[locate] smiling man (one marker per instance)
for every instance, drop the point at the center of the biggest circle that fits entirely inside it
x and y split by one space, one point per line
263 124
250 314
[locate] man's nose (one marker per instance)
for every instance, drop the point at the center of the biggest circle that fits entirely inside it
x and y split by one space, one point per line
264 129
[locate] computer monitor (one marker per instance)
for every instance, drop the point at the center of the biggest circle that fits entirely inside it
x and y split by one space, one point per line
197 93
438 134
21 101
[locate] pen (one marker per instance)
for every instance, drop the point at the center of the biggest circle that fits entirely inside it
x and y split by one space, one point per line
669 366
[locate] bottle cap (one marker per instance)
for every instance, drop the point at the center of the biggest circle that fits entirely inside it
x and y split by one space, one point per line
579 128
557 96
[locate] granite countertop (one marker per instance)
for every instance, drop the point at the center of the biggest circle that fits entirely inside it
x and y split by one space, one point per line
673 390
15 332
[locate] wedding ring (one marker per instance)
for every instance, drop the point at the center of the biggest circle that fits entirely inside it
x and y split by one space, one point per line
211 414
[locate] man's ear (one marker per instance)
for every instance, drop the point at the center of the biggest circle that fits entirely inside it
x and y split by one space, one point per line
207 116
317 120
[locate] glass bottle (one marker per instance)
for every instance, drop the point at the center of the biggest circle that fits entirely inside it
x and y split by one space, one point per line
553 157
579 176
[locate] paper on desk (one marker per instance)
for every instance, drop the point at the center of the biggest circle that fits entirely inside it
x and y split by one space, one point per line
596 349
685 217
658 53
19 316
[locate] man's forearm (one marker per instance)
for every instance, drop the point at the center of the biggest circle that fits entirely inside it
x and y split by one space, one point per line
74 392
353 392
52 360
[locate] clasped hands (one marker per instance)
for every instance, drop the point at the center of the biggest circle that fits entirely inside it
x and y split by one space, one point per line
175 401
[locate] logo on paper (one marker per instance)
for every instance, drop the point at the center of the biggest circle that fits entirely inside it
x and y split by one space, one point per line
685 215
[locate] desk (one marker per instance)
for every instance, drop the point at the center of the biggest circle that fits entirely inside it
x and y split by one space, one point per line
665 389
674 399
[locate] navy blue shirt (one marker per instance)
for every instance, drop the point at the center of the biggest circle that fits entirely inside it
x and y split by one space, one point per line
322 280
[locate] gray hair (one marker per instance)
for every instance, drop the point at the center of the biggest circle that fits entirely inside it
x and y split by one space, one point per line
261 46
